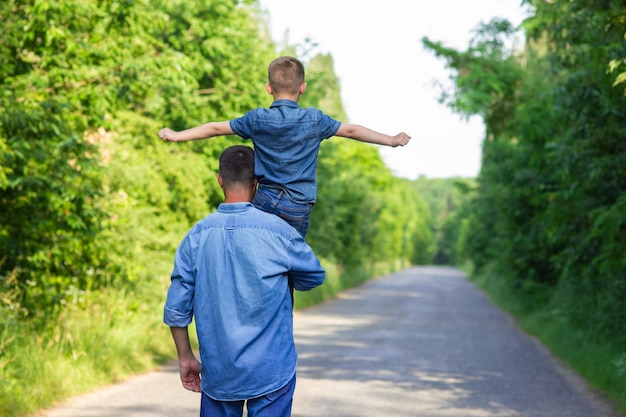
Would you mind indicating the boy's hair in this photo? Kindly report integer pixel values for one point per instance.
(236, 165)
(285, 74)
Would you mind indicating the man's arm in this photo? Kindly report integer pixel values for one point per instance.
(188, 364)
(306, 272)
(363, 134)
(205, 131)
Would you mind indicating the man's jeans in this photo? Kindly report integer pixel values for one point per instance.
(274, 404)
(276, 202)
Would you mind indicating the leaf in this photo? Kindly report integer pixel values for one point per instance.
(620, 79)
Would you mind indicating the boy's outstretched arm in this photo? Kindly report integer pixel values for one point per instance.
(364, 134)
(205, 131)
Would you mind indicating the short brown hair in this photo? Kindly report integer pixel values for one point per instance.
(286, 74)
(236, 165)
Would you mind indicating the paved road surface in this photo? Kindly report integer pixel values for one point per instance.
(421, 342)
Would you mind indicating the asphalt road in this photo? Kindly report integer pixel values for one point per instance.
(421, 342)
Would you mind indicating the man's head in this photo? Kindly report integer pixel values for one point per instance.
(236, 173)
(286, 76)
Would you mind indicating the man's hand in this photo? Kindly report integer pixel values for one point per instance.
(190, 374)
(187, 363)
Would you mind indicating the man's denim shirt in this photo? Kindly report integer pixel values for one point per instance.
(230, 275)
(286, 141)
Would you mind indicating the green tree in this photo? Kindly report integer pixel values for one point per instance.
(551, 187)
(448, 200)
(584, 39)
(68, 68)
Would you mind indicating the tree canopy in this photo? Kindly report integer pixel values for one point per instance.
(549, 208)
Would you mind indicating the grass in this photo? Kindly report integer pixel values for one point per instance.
(600, 362)
(101, 340)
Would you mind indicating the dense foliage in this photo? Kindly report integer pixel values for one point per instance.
(548, 214)
(72, 72)
(94, 204)
(448, 200)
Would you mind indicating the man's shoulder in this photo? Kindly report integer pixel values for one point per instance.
(203, 223)
(272, 223)
(269, 218)
(248, 216)
(251, 217)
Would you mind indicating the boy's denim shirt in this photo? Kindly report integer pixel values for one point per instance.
(286, 142)
(230, 276)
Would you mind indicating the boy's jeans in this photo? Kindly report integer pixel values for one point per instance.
(276, 202)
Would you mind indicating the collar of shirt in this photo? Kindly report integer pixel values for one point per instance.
(285, 102)
(234, 207)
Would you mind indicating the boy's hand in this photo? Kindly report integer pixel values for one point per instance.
(400, 139)
(167, 134)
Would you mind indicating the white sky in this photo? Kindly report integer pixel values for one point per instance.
(386, 76)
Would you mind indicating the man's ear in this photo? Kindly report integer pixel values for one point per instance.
(268, 88)
(302, 88)
(220, 180)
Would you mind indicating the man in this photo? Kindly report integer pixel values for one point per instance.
(230, 274)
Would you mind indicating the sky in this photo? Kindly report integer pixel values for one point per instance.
(387, 78)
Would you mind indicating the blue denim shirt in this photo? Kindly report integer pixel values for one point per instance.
(230, 275)
(286, 142)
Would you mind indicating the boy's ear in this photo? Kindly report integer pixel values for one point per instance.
(268, 88)
(220, 181)
(302, 88)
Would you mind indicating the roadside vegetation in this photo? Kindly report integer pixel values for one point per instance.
(545, 227)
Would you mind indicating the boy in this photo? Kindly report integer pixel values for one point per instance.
(286, 141)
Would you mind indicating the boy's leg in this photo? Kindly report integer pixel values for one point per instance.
(275, 404)
(213, 408)
(276, 202)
